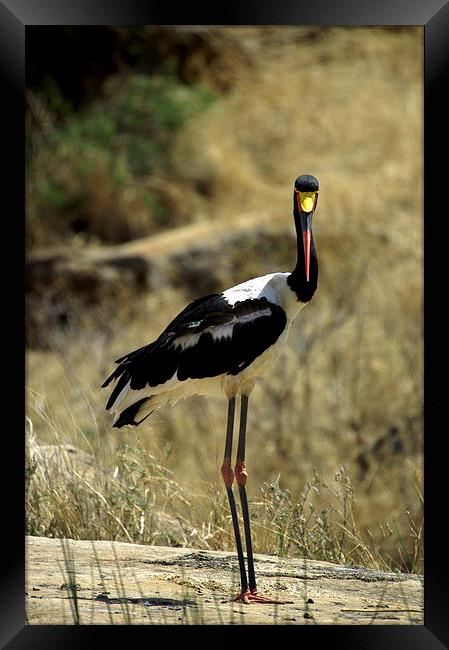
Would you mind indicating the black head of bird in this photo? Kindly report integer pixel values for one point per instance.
(305, 199)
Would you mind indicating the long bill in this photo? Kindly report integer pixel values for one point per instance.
(306, 227)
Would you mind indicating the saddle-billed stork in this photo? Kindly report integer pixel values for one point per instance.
(219, 343)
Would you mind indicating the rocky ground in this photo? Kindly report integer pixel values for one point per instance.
(103, 583)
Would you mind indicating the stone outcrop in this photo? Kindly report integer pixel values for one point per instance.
(102, 582)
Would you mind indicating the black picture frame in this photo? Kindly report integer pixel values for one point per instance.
(433, 15)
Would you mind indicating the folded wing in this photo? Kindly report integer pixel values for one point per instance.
(208, 338)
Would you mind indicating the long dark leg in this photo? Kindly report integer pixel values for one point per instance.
(228, 476)
(241, 478)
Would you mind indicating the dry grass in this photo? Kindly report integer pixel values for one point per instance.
(345, 106)
(119, 490)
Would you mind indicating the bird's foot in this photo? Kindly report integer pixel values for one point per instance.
(249, 597)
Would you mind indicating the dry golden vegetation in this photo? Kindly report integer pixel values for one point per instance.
(335, 430)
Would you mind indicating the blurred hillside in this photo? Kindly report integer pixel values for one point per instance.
(160, 166)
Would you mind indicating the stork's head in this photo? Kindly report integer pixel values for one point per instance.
(305, 199)
(306, 194)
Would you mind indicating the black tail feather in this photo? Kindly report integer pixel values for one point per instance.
(124, 364)
(117, 372)
(118, 388)
(127, 416)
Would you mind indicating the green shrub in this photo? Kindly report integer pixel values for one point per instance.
(92, 162)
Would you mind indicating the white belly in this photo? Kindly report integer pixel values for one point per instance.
(244, 382)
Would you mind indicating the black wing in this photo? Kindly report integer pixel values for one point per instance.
(194, 311)
(209, 337)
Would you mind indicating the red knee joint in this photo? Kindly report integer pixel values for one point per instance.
(241, 475)
(227, 473)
